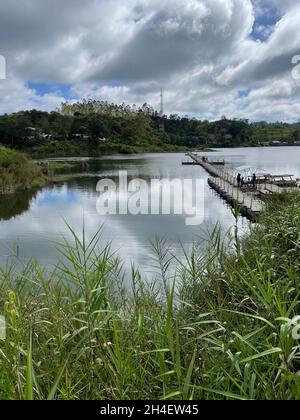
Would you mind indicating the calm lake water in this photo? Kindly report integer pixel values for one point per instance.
(30, 224)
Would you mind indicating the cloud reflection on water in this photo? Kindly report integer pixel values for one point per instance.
(39, 221)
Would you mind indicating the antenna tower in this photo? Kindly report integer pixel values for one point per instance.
(161, 114)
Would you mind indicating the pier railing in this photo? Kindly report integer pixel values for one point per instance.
(225, 183)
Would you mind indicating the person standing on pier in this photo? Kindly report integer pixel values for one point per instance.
(254, 179)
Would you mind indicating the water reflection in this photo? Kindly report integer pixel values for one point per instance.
(32, 223)
(13, 205)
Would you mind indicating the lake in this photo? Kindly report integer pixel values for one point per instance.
(30, 224)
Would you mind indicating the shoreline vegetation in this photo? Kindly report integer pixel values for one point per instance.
(18, 172)
(65, 149)
(220, 328)
(96, 128)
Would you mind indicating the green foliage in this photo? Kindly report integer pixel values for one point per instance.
(96, 127)
(220, 328)
(17, 172)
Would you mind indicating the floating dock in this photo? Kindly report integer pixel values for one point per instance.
(250, 202)
(196, 162)
(190, 163)
(209, 167)
(225, 184)
(247, 203)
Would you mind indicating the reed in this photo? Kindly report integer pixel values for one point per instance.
(218, 328)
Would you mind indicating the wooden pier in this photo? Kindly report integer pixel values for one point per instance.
(209, 167)
(247, 203)
(250, 201)
(225, 184)
(190, 163)
(196, 161)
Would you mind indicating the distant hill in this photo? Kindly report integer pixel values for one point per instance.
(97, 126)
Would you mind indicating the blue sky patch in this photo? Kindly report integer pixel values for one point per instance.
(48, 88)
(265, 22)
(244, 93)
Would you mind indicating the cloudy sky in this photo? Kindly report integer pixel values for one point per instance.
(212, 57)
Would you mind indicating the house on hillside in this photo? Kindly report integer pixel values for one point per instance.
(33, 133)
(81, 136)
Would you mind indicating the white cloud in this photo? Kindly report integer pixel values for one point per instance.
(200, 51)
(15, 96)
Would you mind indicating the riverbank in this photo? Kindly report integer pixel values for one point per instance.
(220, 329)
(66, 149)
(59, 149)
(18, 172)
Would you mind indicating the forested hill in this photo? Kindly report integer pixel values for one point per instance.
(121, 128)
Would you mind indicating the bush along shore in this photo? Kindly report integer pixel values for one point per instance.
(222, 327)
(17, 172)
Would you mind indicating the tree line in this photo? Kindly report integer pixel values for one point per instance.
(102, 122)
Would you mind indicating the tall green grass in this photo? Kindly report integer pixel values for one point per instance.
(219, 328)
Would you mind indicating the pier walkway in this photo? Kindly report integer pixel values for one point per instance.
(248, 203)
(225, 184)
(209, 167)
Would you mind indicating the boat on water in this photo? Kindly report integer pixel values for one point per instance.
(284, 180)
